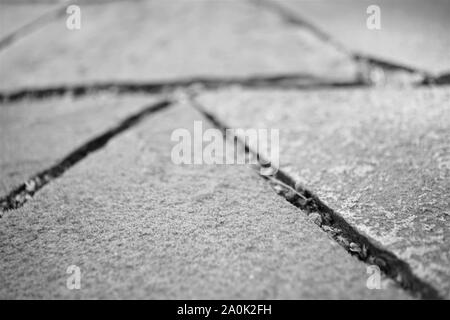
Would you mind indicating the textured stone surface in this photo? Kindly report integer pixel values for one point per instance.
(413, 32)
(154, 40)
(380, 157)
(35, 135)
(140, 226)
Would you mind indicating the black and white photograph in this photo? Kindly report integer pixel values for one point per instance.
(224, 156)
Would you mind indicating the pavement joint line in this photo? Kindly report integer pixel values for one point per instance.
(24, 192)
(34, 25)
(332, 222)
(277, 81)
(280, 81)
(358, 57)
(440, 79)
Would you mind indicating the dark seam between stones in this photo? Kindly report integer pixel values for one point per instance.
(280, 81)
(440, 79)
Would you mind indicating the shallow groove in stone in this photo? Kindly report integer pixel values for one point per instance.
(33, 26)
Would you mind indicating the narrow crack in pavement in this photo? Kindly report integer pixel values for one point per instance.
(332, 222)
(20, 195)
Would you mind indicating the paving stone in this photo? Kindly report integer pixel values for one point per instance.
(140, 226)
(380, 157)
(165, 40)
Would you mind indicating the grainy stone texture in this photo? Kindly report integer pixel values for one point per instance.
(380, 157)
(140, 226)
(35, 135)
(413, 32)
(164, 40)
